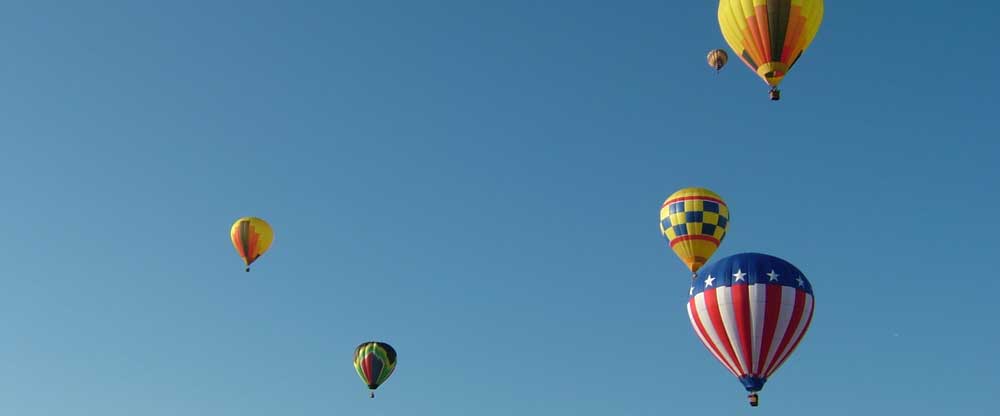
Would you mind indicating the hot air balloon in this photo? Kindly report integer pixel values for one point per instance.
(717, 59)
(251, 237)
(751, 311)
(374, 362)
(694, 221)
(770, 36)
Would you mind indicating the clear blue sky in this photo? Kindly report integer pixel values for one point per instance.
(479, 185)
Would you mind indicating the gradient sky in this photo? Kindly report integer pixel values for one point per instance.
(479, 185)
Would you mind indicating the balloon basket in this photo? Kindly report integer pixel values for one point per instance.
(753, 399)
(775, 94)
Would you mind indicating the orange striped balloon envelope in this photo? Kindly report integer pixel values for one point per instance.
(770, 36)
(694, 221)
(251, 237)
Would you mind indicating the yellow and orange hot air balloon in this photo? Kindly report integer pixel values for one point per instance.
(694, 221)
(251, 237)
(770, 35)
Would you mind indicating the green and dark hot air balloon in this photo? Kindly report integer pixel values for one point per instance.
(375, 362)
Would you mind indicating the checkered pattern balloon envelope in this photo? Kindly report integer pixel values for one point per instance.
(694, 222)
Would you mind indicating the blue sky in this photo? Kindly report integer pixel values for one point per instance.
(479, 185)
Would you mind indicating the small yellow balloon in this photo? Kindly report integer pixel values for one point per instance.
(251, 237)
(694, 221)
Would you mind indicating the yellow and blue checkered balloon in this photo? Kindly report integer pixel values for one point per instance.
(694, 221)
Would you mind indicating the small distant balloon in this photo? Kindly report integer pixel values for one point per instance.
(717, 59)
(251, 238)
(374, 362)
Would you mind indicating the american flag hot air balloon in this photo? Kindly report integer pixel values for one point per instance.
(751, 311)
